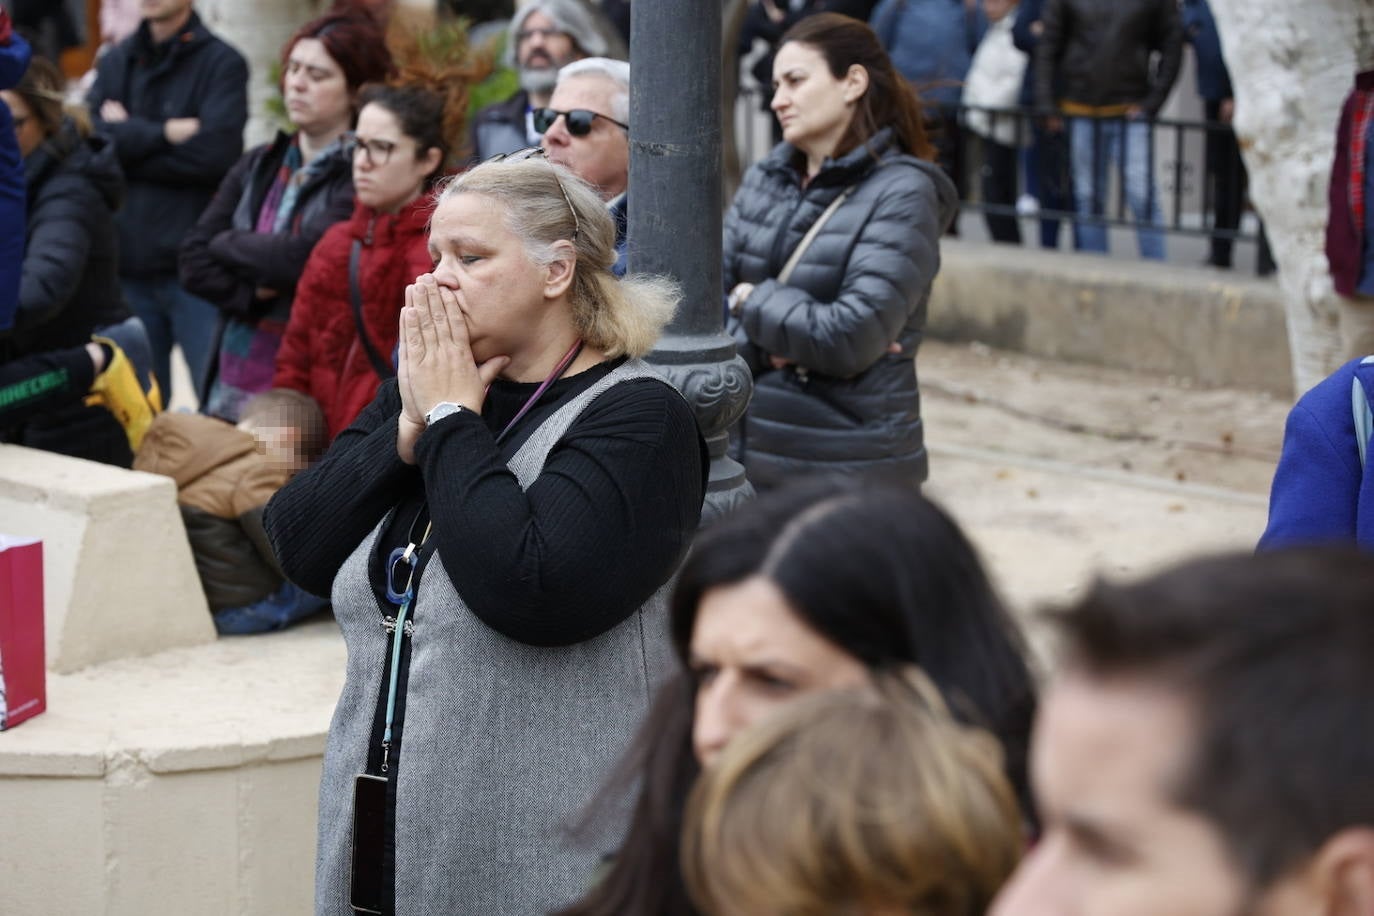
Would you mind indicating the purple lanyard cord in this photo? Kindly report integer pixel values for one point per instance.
(554, 376)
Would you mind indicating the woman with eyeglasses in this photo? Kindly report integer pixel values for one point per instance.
(247, 250)
(830, 249)
(496, 530)
(342, 332)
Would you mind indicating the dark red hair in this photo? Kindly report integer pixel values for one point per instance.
(353, 38)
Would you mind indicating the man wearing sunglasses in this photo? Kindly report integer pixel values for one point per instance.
(544, 36)
(586, 127)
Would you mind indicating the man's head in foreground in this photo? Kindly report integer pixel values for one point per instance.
(1208, 747)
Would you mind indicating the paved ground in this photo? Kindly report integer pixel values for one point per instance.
(1061, 472)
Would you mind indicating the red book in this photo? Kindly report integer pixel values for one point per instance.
(23, 688)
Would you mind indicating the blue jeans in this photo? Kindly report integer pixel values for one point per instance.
(1097, 143)
(277, 611)
(172, 315)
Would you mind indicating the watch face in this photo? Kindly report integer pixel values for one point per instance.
(441, 410)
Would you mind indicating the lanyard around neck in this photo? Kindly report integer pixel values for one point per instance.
(554, 376)
(410, 555)
(397, 627)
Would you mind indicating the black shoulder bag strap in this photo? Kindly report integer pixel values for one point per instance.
(355, 296)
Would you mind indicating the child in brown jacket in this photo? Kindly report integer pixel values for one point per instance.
(225, 475)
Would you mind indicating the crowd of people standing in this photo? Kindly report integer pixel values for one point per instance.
(425, 404)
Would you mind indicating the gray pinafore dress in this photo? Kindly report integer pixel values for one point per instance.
(504, 743)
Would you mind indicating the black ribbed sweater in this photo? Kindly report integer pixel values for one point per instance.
(606, 523)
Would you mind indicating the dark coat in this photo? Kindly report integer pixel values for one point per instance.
(500, 127)
(1100, 51)
(224, 259)
(192, 75)
(863, 284)
(1344, 233)
(1028, 13)
(1200, 28)
(14, 60)
(70, 282)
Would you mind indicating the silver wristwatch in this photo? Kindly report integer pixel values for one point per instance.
(441, 410)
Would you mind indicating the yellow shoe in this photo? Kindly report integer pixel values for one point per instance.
(118, 390)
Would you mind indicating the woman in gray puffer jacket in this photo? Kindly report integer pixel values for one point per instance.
(832, 342)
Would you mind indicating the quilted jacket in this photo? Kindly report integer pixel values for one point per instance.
(846, 403)
(321, 354)
(70, 280)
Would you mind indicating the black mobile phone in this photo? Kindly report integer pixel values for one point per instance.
(369, 844)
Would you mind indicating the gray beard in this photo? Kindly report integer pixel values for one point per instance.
(538, 80)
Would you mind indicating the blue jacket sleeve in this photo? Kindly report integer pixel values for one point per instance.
(14, 60)
(1315, 495)
(1027, 15)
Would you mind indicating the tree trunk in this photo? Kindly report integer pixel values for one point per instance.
(258, 29)
(1292, 62)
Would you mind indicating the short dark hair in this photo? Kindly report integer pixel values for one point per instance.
(889, 102)
(1276, 655)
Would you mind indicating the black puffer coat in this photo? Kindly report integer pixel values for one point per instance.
(70, 283)
(847, 403)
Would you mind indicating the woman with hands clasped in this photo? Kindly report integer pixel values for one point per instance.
(494, 531)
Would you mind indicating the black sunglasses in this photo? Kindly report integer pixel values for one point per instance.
(579, 120)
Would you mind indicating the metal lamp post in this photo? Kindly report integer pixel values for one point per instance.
(675, 216)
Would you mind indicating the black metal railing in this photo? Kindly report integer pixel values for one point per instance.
(1177, 151)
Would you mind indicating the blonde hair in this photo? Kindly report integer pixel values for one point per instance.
(854, 801)
(622, 317)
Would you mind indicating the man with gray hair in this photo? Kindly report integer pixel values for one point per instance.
(586, 127)
(544, 36)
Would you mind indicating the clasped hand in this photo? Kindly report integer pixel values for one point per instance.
(436, 362)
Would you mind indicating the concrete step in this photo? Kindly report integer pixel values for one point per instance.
(1219, 329)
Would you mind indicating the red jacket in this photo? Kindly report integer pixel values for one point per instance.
(1345, 219)
(321, 354)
